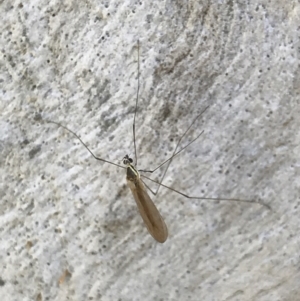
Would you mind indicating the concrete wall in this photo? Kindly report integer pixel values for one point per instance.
(69, 227)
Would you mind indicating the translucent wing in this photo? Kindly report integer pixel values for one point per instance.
(151, 216)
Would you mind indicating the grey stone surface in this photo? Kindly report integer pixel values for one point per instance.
(69, 227)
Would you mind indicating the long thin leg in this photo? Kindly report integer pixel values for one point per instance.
(136, 104)
(204, 198)
(97, 158)
(174, 153)
(172, 157)
(154, 193)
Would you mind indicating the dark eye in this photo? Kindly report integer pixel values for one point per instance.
(130, 160)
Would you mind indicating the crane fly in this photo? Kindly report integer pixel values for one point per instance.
(152, 218)
(149, 213)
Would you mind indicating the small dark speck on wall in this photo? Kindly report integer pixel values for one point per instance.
(34, 151)
(2, 282)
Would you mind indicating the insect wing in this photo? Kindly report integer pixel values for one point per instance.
(151, 216)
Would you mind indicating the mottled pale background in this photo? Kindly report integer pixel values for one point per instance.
(69, 227)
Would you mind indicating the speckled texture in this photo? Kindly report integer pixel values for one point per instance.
(69, 227)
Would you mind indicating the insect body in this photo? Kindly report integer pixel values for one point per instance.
(151, 216)
(148, 211)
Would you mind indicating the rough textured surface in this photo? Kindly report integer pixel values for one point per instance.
(69, 225)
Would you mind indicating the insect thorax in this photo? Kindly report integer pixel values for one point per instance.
(132, 174)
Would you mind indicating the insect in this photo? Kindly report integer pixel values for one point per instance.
(148, 211)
